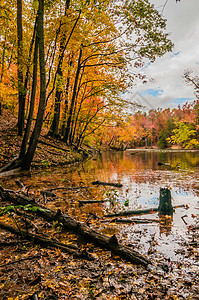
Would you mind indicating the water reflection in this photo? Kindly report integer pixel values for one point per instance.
(139, 160)
(166, 224)
(141, 177)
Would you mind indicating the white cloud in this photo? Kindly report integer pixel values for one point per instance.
(182, 23)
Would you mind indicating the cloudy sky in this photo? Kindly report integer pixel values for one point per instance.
(168, 88)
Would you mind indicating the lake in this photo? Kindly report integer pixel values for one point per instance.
(142, 176)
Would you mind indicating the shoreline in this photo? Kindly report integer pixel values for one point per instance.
(162, 150)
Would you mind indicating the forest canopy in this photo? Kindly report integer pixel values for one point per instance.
(68, 63)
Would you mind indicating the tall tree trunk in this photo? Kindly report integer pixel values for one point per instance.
(2, 71)
(27, 75)
(32, 102)
(54, 129)
(21, 111)
(65, 110)
(68, 126)
(27, 159)
(77, 115)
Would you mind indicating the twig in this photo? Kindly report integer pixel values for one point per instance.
(21, 259)
(6, 244)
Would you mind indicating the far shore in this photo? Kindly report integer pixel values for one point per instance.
(163, 150)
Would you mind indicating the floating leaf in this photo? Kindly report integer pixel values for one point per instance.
(126, 203)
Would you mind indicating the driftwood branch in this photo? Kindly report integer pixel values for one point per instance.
(106, 183)
(82, 202)
(80, 229)
(132, 212)
(134, 221)
(137, 212)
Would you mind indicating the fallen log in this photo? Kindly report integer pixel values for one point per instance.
(137, 212)
(134, 221)
(107, 183)
(80, 229)
(91, 201)
(132, 212)
(44, 241)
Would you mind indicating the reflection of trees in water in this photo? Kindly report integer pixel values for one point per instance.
(165, 224)
(131, 170)
(186, 160)
(121, 162)
(192, 159)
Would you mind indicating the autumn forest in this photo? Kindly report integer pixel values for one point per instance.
(77, 157)
(67, 65)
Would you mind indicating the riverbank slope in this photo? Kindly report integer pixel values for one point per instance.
(50, 152)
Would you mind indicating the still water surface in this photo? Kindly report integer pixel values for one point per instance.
(141, 177)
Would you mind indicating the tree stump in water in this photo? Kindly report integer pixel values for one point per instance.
(165, 206)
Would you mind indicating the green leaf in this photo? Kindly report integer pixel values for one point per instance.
(126, 203)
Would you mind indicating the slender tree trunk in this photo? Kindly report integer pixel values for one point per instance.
(77, 115)
(54, 129)
(27, 159)
(65, 110)
(32, 102)
(73, 119)
(2, 70)
(21, 111)
(68, 126)
(63, 130)
(25, 87)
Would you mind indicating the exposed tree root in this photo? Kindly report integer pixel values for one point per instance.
(13, 164)
(11, 172)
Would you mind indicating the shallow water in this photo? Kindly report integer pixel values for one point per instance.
(142, 178)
